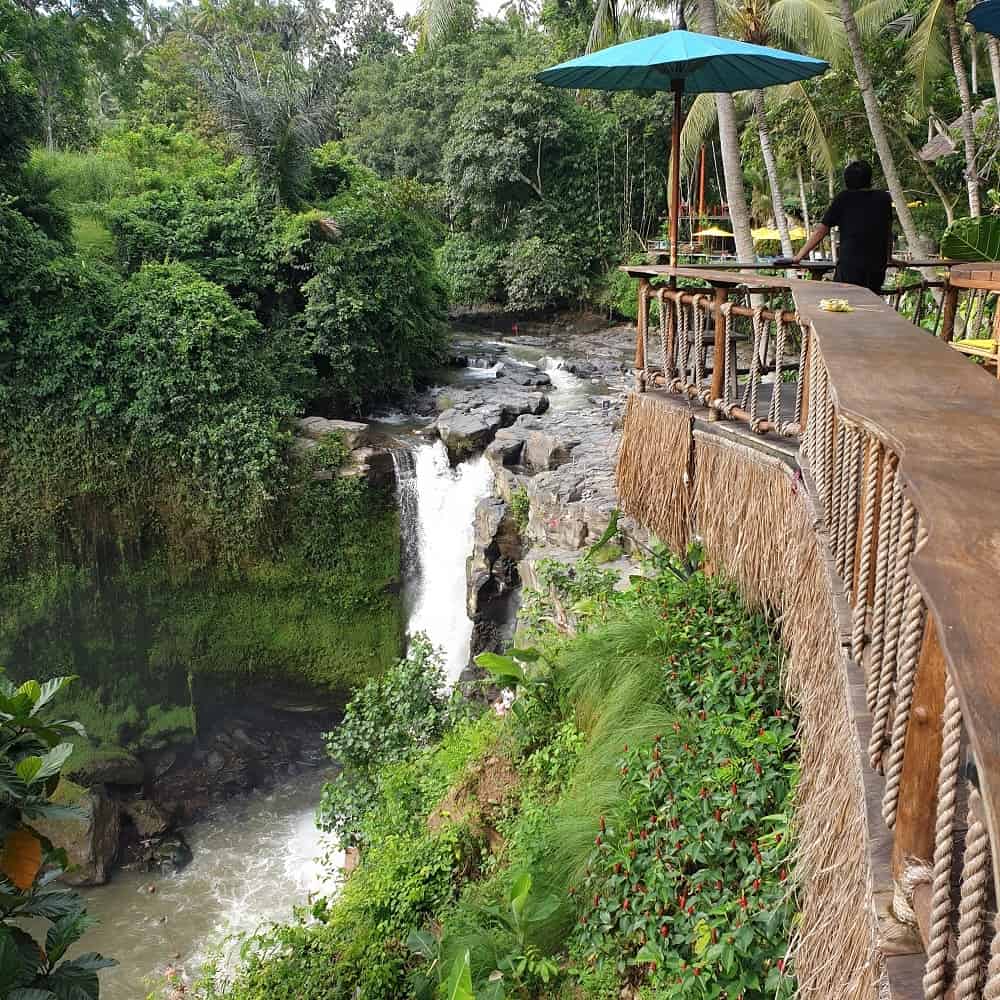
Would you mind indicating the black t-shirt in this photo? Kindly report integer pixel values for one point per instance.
(865, 221)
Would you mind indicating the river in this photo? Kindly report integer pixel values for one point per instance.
(257, 857)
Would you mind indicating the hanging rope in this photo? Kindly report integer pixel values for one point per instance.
(936, 972)
(725, 404)
(976, 871)
(774, 410)
(699, 346)
(644, 307)
(886, 664)
(992, 991)
(666, 337)
(837, 493)
(751, 391)
(852, 513)
(803, 362)
(906, 671)
(865, 567)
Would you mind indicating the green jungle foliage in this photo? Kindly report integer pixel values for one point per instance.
(35, 749)
(627, 822)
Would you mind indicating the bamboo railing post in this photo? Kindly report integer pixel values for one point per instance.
(642, 323)
(917, 805)
(719, 351)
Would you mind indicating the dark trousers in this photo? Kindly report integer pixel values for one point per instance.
(872, 278)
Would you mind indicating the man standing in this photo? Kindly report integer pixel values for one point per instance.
(864, 217)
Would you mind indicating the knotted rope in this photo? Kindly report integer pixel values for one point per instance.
(837, 493)
(976, 871)
(751, 393)
(699, 346)
(725, 404)
(803, 352)
(936, 972)
(774, 410)
(897, 599)
(666, 337)
(906, 671)
(882, 664)
(853, 507)
(865, 565)
(992, 990)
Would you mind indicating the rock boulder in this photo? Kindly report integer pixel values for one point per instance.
(89, 838)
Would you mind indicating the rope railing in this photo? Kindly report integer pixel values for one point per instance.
(897, 441)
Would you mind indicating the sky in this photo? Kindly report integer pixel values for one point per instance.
(486, 7)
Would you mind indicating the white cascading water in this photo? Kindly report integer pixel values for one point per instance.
(437, 511)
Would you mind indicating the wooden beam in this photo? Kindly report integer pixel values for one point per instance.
(642, 322)
(916, 812)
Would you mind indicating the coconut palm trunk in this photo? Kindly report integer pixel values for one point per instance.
(771, 167)
(965, 95)
(914, 240)
(993, 48)
(802, 197)
(729, 142)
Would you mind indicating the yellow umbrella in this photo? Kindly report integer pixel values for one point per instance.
(759, 235)
(713, 231)
(797, 233)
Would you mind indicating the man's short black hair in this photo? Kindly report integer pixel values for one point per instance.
(858, 175)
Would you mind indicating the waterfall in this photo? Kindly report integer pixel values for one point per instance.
(405, 469)
(437, 511)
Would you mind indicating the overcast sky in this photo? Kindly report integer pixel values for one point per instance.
(487, 7)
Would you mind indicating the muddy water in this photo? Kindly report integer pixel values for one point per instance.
(255, 858)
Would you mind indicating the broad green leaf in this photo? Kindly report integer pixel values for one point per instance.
(519, 891)
(65, 931)
(501, 667)
(459, 983)
(702, 937)
(32, 994)
(972, 239)
(49, 689)
(609, 532)
(526, 655)
(648, 953)
(31, 690)
(53, 761)
(28, 768)
(422, 943)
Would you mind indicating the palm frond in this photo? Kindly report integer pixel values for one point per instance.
(873, 15)
(698, 125)
(605, 27)
(812, 133)
(811, 26)
(927, 53)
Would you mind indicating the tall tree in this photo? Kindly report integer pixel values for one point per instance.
(876, 125)
(803, 25)
(729, 141)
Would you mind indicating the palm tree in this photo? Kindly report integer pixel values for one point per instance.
(275, 113)
(876, 126)
(729, 142)
(803, 25)
(937, 41)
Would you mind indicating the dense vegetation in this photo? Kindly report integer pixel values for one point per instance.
(33, 749)
(626, 822)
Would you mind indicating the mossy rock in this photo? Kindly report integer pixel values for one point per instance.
(105, 766)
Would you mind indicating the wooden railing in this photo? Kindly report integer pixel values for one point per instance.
(739, 347)
(900, 449)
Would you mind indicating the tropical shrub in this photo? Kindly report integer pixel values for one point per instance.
(392, 718)
(34, 750)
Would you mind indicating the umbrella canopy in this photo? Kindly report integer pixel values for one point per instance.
(682, 62)
(985, 16)
(797, 233)
(701, 63)
(713, 231)
(762, 235)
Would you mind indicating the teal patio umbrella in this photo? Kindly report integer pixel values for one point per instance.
(683, 62)
(985, 17)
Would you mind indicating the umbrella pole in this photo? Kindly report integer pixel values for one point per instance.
(677, 86)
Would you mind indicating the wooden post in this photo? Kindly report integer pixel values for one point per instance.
(719, 352)
(701, 185)
(916, 811)
(642, 322)
(950, 309)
